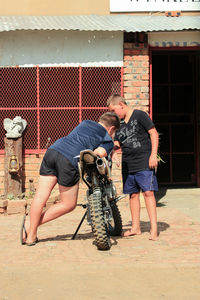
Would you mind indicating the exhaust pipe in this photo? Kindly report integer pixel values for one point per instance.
(101, 166)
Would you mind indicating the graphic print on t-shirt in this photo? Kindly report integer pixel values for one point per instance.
(127, 135)
(135, 142)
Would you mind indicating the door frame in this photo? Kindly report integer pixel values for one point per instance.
(197, 102)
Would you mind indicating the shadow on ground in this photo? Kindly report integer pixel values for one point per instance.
(65, 237)
(145, 226)
(159, 195)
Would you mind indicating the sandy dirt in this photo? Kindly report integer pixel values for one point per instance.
(59, 268)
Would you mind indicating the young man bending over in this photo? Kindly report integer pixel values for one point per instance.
(60, 165)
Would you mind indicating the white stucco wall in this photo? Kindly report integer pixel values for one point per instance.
(66, 48)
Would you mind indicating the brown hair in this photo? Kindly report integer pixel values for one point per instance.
(110, 119)
(115, 99)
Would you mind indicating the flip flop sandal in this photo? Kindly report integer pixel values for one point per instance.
(23, 231)
(32, 243)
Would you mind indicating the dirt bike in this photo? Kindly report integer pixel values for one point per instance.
(102, 213)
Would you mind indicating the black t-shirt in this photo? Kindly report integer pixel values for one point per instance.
(135, 142)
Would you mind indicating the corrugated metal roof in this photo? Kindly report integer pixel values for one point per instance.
(98, 22)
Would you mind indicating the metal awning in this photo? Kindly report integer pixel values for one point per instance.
(127, 23)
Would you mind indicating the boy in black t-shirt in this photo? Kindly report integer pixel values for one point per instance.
(138, 139)
(60, 165)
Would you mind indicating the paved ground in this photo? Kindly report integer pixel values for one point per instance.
(58, 268)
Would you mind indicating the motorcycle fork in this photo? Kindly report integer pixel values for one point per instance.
(95, 183)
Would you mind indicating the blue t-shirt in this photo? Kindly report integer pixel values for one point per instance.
(87, 135)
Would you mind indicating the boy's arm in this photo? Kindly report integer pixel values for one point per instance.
(114, 155)
(153, 161)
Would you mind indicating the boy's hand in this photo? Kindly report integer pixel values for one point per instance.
(115, 158)
(153, 162)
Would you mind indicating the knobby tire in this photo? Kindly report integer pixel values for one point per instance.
(116, 230)
(102, 239)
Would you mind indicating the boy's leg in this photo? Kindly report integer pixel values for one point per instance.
(150, 202)
(135, 215)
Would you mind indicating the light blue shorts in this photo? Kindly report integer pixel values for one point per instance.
(140, 181)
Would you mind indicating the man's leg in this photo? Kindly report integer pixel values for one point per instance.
(44, 188)
(68, 200)
(67, 203)
(150, 202)
(135, 215)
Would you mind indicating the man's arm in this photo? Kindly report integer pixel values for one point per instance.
(100, 151)
(153, 161)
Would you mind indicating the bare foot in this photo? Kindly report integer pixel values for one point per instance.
(153, 237)
(131, 232)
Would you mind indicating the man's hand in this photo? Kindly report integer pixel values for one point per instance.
(100, 151)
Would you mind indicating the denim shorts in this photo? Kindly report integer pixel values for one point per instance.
(140, 181)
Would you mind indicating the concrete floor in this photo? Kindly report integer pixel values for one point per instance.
(185, 200)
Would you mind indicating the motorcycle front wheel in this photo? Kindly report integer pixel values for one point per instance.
(114, 226)
(102, 239)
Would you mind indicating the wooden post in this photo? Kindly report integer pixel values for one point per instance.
(13, 182)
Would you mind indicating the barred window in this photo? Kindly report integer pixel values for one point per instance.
(54, 100)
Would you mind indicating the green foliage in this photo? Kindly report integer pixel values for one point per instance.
(159, 158)
(29, 195)
(10, 197)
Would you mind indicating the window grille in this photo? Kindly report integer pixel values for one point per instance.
(54, 100)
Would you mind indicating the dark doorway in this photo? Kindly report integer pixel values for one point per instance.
(175, 103)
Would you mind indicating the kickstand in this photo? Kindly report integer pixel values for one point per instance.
(85, 214)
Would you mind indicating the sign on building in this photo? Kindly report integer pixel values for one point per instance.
(154, 5)
(174, 39)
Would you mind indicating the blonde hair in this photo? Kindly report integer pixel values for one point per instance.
(115, 99)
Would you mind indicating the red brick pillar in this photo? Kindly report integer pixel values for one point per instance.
(136, 75)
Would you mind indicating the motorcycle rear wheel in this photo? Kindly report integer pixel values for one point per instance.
(102, 239)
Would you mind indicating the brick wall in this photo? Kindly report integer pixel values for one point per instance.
(136, 75)
(31, 166)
